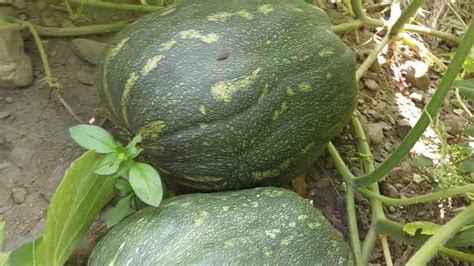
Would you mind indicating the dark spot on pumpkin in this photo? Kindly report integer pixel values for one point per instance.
(223, 56)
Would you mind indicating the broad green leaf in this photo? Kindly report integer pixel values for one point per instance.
(146, 183)
(4, 259)
(466, 87)
(93, 138)
(119, 211)
(79, 198)
(467, 166)
(2, 233)
(421, 227)
(132, 149)
(25, 255)
(422, 161)
(469, 131)
(108, 165)
(123, 186)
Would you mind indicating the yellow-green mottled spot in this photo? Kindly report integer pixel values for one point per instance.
(225, 208)
(290, 91)
(326, 52)
(273, 194)
(312, 224)
(168, 45)
(151, 64)
(262, 175)
(334, 243)
(292, 224)
(285, 164)
(203, 125)
(225, 90)
(328, 75)
(267, 252)
(200, 217)
(302, 217)
(164, 13)
(254, 204)
(153, 130)
(307, 147)
(245, 204)
(126, 92)
(264, 92)
(297, 9)
(245, 14)
(114, 51)
(304, 87)
(286, 240)
(269, 42)
(265, 9)
(205, 143)
(194, 34)
(277, 113)
(272, 233)
(202, 109)
(185, 204)
(219, 17)
(205, 179)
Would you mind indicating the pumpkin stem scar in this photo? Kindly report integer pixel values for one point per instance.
(225, 90)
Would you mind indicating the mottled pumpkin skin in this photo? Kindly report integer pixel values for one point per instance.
(230, 94)
(262, 226)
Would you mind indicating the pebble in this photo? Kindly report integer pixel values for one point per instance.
(396, 174)
(85, 77)
(15, 66)
(19, 4)
(19, 195)
(88, 50)
(416, 97)
(381, 107)
(403, 127)
(390, 191)
(454, 124)
(323, 183)
(375, 133)
(9, 100)
(371, 85)
(4, 114)
(4, 193)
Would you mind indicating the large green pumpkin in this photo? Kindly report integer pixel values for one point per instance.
(230, 94)
(262, 226)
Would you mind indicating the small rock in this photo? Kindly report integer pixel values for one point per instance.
(88, 50)
(416, 97)
(86, 77)
(23, 157)
(19, 195)
(9, 100)
(390, 191)
(454, 124)
(403, 127)
(4, 193)
(50, 22)
(381, 107)
(396, 174)
(371, 85)
(19, 4)
(375, 133)
(4, 114)
(392, 209)
(323, 183)
(15, 66)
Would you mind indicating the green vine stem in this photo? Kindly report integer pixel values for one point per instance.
(466, 257)
(372, 57)
(419, 199)
(430, 111)
(395, 231)
(405, 17)
(353, 230)
(437, 241)
(122, 6)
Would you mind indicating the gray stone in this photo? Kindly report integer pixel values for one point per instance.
(416, 97)
(15, 65)
(86, 76)
(21, 156)
(4, 114)
(4, 192)
(9, 100)
(323, 183)
(375, 133)
(19, 4)
(19, 194)
(88, 50)
(381, 107)
(390, 191)
(371, 85)
(403, 127)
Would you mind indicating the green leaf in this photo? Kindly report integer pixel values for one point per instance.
(4, 259)
(123, 186)
(466, 87)
(108, 165)
(466, 166)
(421, 227)
(78, 200)
(469, 131)
(2, 233)
(118, 212)
(93, 138)
(422, 161)
(132, 149)
(25, 254)
(146, 183)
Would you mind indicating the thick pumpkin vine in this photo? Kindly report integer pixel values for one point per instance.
(139, 177)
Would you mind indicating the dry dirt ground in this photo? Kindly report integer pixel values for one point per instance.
(35, 148)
